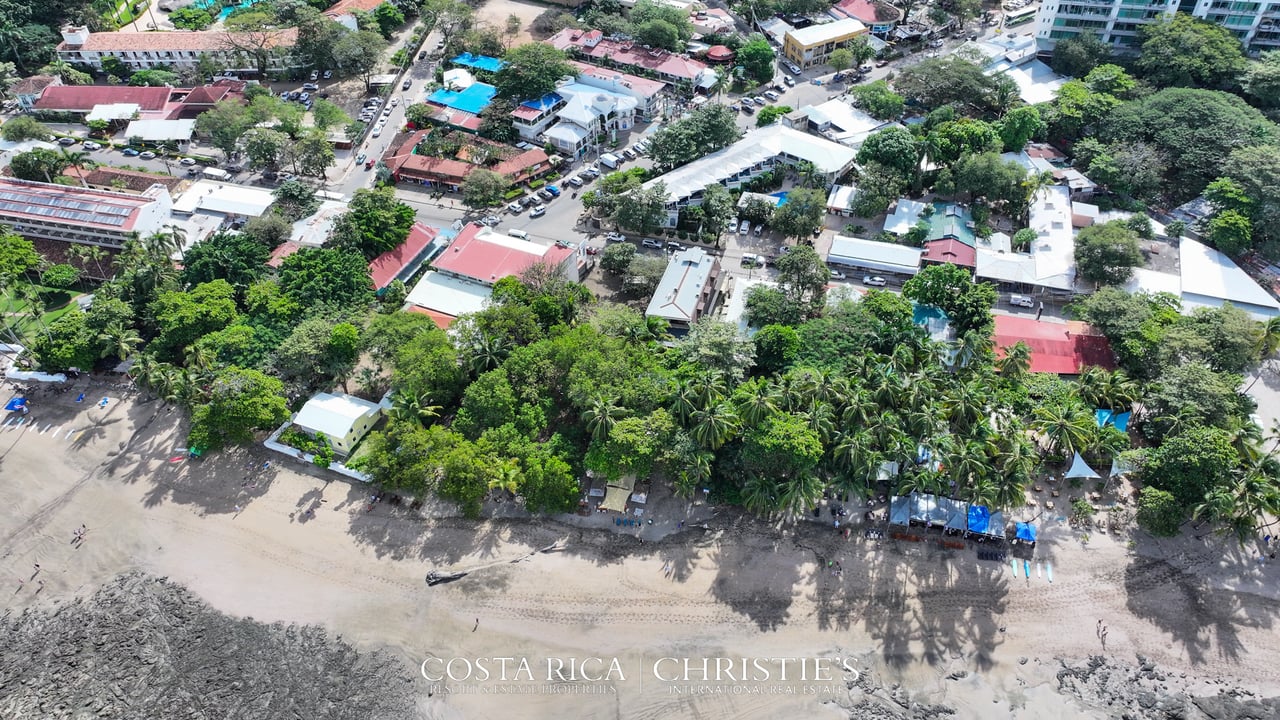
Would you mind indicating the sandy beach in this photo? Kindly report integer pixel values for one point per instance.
(938, 625)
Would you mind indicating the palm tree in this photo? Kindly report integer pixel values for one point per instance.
(1266, 343)
(714, 426)
(709, 389)
(601, 415)
(75, 159)
(405, 406)
(757, 401)
(145, 371)
(118, 341)
(166, 242)
(972, 350)
(1067, 426)
(759, 494)
(821, 420)
(89, 253)
(696, 471)
(506, 476)
(200, 357)
(799, 493)
(1015, 363)
(684, 402)
(488, 352)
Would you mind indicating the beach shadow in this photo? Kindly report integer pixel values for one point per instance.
(752, 577)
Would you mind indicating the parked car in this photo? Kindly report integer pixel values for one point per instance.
(745, 227)
(837, 275)
(760, 229)
(310, 87)
(773, 96)
(422, 55)
(387, 111)
(936, 43)
(148, 155)
(789, 81)
(555, 191)
(651, 243)
(673, 246)
(1025, 301)
(287, 177)
(516, 208)
(194, 171)
(792, 67)
(752, 260)
(377, 131)
(395, 102)
(592, 250)
(406, 84)
(874, 281)
(748, 109)
(368, 164)
(490, 220)
(327, 74)
(284, 94)
(187, 161)
(360, 158)
(629, 154)
(575, 181)
(759, 101)
(67, 141)
(294, 95)
(303, 97)
(314, 75)
(130, 152)
(545, 194)
(538, 211)
(882, 63)
(614, 237)
(91, 145)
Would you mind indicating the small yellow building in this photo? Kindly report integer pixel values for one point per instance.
(813, 45)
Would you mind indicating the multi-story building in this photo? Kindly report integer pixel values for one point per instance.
(592, 46)
(234, 52)
(813, 45)
(70, 214)
(1118, 22)
(688, 289)
(881, 17)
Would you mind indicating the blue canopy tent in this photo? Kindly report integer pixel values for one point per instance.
(958, 516)
(922, 506)
(1121, 421)
(979, 519)
(16, 404)
(1103, 417)
(899, 510)
(1026, 531)
(941, 512)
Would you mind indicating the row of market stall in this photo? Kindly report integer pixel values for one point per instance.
(954, 517)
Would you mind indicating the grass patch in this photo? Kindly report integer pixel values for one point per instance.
(16, 313)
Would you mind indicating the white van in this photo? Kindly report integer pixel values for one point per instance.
(610, 161)
(1025, 301)
(513, 232)
(216, 174)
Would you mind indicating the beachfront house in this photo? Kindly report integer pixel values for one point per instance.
(342, 419)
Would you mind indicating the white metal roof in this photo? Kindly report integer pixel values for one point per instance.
(841, 196)
(875, 255)
(160, 130)
(333, 414)
(314, 229)
(449, 295)
(676, 297)
(113, 111)
(1209, 277)
(905, 215)
(825, 32)
(569, 133)
(754, 148)
(1055, 244)
(223, 197)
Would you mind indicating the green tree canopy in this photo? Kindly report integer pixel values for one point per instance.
(803, 214)
(234, 257)
(878, 101)
(375, 222)
(950, 288)
(1106, 254)
(319, 276)
(757, 58)
(239, 402)
(1184, 51)
(705, 130)
(24, 127)
(531, 71)
(1077, 55)
(484, 188)
(1190, 464)
(40, 165)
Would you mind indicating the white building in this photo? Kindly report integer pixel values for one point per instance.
(874, 255)
(588, 112)
(342, 419)
(836, 120)
(80, 215)
(688, 289)
(1050, 265)
(759, 151)
(178, 50)
(1015, 57)
(1118, 22)
(224, 199)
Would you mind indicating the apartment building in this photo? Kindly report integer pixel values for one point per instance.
(70, 214)
(592, 46)
(813, 45)
(235, 52)
(1119, 22)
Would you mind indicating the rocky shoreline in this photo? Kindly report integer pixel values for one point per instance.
(145, 647)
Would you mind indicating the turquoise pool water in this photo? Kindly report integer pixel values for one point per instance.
(227, 10)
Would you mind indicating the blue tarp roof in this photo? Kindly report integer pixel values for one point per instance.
(1026, 531)
(979, 518)
(479, 62)
(474, 99)
(900, 510)
(546, 101)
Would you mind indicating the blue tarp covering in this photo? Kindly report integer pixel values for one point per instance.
(1026, 531)
(474, 99)
(1103, 416)
(1121, 421)
(16, 404)
(546, 102)
(979, 518)
(479, 62)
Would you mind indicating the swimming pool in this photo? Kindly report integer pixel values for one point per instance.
(227, 9)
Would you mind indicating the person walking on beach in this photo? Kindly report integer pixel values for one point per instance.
(477, 627)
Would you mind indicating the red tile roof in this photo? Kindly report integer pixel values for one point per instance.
(868, 12)
(592, 44)
(524, 112)
(82, 98)
(441, 320)
(402, 162)
(205, 95)
(282, 251)
(344, 7)
(482, 254)
(206, 41)
(387, 266)
(33, 84)
(950, 251)
(1062, 348)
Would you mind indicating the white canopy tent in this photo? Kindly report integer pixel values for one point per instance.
(1080, 469)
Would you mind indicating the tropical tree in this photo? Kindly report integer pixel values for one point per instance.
(601, 415)
(119, 341)
(714, 425)
(1068, 426)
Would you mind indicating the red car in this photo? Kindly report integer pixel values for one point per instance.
(368, 165)
(593, 251)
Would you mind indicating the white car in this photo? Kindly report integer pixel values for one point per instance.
(538, 211)
(148, 155)
(377, 131)
(745, 228)
(516, 208)
(837, 275)
(575, 181)
(187, 161)
(91, 145)
(651, 243)
(773, 96)
(752, 260)
(874, 281)
(395, 101)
